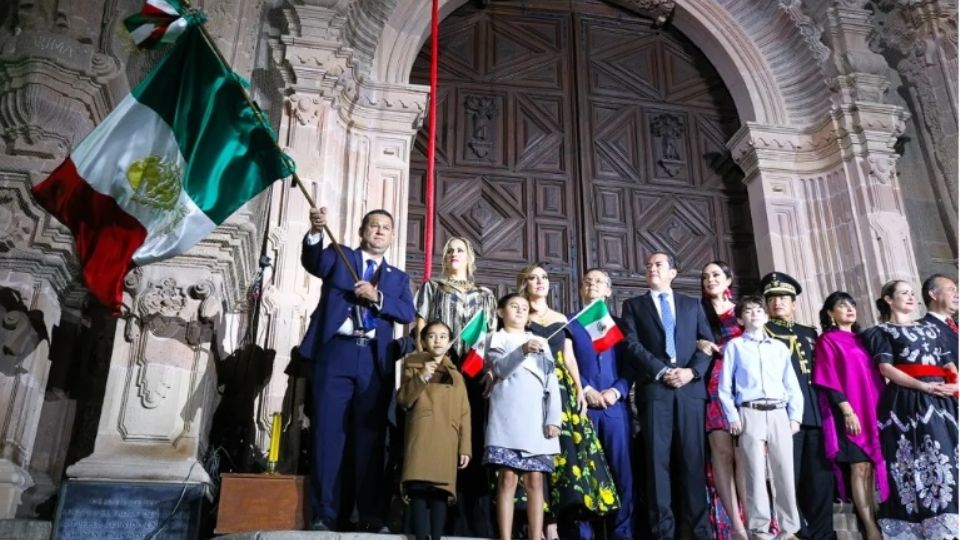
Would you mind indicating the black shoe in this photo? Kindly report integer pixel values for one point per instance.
(321, 525)
(375, 527)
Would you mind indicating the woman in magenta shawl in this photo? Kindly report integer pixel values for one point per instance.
(851, 389)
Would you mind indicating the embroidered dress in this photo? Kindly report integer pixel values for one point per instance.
(918, 437)
(729, 329)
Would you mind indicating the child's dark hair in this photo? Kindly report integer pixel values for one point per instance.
(431, 324)
(749, 300)
(505, 299)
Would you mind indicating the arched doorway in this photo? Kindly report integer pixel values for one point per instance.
(581, 136)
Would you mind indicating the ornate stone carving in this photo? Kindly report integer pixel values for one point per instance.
(807, 27)
(54, 84)
(658, 10)
(881, 168)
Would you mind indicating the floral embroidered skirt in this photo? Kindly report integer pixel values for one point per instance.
(513, 459)
(918, 435)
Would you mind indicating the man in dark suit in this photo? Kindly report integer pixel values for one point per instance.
(605, 378)
(812, 471)
(662, 332)
(347, 341)
(940, 297)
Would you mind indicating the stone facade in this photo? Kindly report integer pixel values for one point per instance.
(837, 99)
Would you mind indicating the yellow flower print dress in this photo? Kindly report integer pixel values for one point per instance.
(581, 482)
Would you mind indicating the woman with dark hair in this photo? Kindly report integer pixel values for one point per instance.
(917, 420)
(851, 389)
(716, 279)
(581, 486)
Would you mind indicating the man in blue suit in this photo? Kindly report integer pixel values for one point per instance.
(606, 387)
(347, 342)
(662, 329)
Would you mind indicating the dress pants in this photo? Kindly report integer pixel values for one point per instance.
(350, 397)
(665, 423)
(814, 485)
(616, 439)
(766, 438)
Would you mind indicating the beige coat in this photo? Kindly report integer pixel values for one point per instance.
(438, 423)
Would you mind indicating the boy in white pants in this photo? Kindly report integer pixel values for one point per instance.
(761, 399)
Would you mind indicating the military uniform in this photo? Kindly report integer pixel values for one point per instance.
(812, 470)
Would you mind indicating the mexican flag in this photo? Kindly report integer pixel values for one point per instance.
(474, 334)
(160, 21)
(598, 322)
(175, 158)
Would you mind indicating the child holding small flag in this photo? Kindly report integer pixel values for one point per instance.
(524, 419)
(437, 438)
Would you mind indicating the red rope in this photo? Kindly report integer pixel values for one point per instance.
(431, 143)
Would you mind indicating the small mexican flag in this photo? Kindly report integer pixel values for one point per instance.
(599, 324)
(175, 158)
(474, 334)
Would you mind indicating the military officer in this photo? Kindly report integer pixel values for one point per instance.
(813, 473)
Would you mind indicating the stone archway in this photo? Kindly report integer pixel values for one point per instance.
(817, 144)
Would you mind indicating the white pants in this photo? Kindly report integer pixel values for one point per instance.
(766, 439)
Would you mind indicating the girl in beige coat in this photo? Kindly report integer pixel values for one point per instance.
(437, 438)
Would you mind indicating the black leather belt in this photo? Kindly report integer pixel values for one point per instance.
(764, 405)
(360, 341)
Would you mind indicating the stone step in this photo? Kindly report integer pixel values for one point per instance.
(844, 523)
(310, 535)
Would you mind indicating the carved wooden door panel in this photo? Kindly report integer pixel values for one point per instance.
(654, 117)
(578, 135)
(506, 154)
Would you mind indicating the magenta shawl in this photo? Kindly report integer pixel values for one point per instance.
(843, 364)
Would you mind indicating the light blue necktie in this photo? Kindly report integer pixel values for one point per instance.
(669, 326)
(369, 321)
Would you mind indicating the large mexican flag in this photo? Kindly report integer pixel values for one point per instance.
(176, 157)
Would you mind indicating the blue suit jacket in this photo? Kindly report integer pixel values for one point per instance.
(337, 300)
(609, 369)
(646, 341)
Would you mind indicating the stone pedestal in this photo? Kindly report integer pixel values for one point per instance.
(161, 390)
(49, 451)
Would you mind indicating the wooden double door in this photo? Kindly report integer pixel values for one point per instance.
(578, 135)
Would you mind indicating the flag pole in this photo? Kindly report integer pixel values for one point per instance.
(263, 121)
(577, 314)
(429, 188)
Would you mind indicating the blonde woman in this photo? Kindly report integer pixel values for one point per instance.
(453, 298)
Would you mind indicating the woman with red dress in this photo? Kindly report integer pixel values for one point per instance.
(716, 280)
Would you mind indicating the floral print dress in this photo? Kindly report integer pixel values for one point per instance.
(581, 483)
(918, 437)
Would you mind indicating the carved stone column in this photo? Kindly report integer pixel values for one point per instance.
(919, 38)
(55, 84)
(161, 389)
(826, 201)
(351, 139)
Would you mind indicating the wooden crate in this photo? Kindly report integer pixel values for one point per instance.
(258, 502)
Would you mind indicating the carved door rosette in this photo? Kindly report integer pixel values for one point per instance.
(169, 335)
